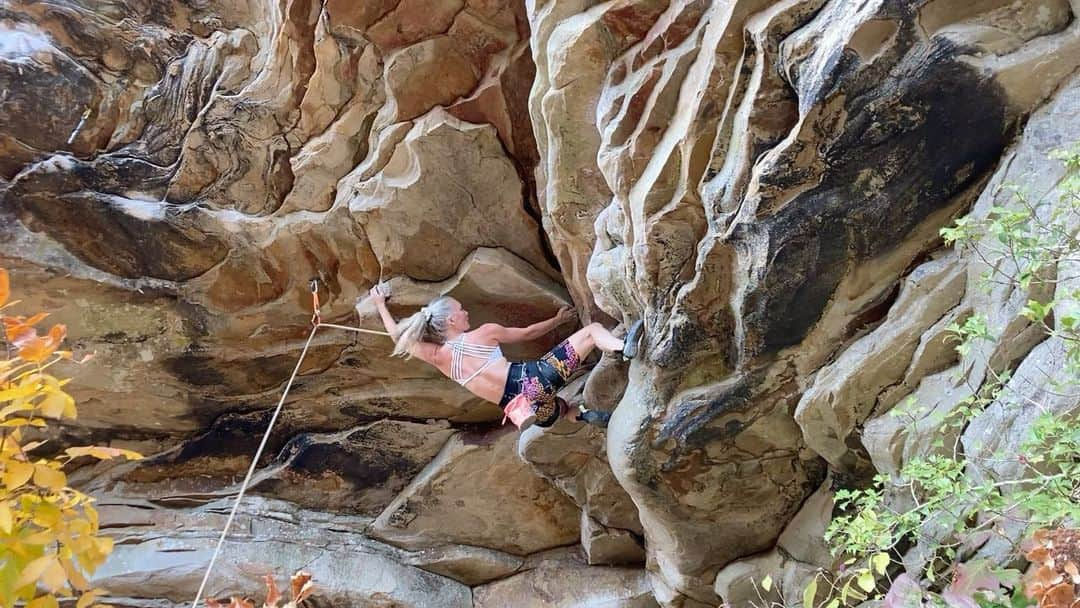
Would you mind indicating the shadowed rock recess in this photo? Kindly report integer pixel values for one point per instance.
(761, 181)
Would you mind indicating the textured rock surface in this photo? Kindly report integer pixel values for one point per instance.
(161, 555)
(800, 552)
(228, 153)
(775, 168)
(477, 492)
(882, 366)
(562, 581)
(762, 181)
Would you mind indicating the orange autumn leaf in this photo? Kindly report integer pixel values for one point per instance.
(5, 287)
(273, 595)
(234, 602)
(39, 349)
(1058, 596)
(20, 329)
(1038, 554)
(302, 586)
(1041, 579)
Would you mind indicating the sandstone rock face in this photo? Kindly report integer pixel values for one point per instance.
(565, 582)
(155, 562)
(886, 364)
(572, 457)
(194, 166)
(761, 181)
(477, 492)
(775, 168)
(800, 553)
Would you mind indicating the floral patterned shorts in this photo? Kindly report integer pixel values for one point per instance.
(541, 379)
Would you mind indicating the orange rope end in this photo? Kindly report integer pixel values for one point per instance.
(315, 318)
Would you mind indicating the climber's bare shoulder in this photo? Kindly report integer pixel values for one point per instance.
(428, 352)
(489, 334)
(492, 334)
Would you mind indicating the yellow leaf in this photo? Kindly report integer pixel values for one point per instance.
(25, 388)
(47, 516)
(46, 477)
(7, 520)
(58, 404)
(75, 575)
(130, 454)
(54, 578)
(69, 408)
(89, 597)
(40, 538)
(33, 571)
(879, 562)
(810, 593)
(16, 474)
(22, 422)
(91, 517)
(20, 405)
(33, 445)
(866, 581)
(102, 453)
(45, 601)
(55, 404)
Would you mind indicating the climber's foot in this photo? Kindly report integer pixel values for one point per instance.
(632, 339)
(595, 418)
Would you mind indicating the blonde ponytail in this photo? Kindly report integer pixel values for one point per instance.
(427, 325)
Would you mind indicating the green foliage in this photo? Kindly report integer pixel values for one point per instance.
(935, 499)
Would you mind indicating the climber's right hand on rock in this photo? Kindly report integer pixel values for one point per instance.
(375, 296)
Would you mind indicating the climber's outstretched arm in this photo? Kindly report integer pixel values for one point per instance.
(509, 335)
(380, 304)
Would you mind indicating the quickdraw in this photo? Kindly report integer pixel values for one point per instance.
(315, 317)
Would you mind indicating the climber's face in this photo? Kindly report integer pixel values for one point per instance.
(459, 318)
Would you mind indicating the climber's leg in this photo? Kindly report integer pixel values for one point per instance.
(595, 335)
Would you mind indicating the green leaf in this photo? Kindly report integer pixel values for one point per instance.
(866, 581)
(879, 562)
(809, 593)
(766, 583)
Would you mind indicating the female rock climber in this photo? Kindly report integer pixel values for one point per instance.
(440, 335)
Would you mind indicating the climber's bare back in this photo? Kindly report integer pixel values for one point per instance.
(488, 384)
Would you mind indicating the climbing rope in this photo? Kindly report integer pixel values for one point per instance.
(316, 323)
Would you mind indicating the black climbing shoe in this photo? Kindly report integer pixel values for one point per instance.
(595, 418)
(631, 339)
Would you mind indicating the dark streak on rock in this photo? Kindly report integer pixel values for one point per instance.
(927, 131)
(690, 424)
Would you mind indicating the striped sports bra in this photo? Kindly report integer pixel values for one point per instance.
(460, 348)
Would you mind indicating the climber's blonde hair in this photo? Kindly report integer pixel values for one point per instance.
(429, 324)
